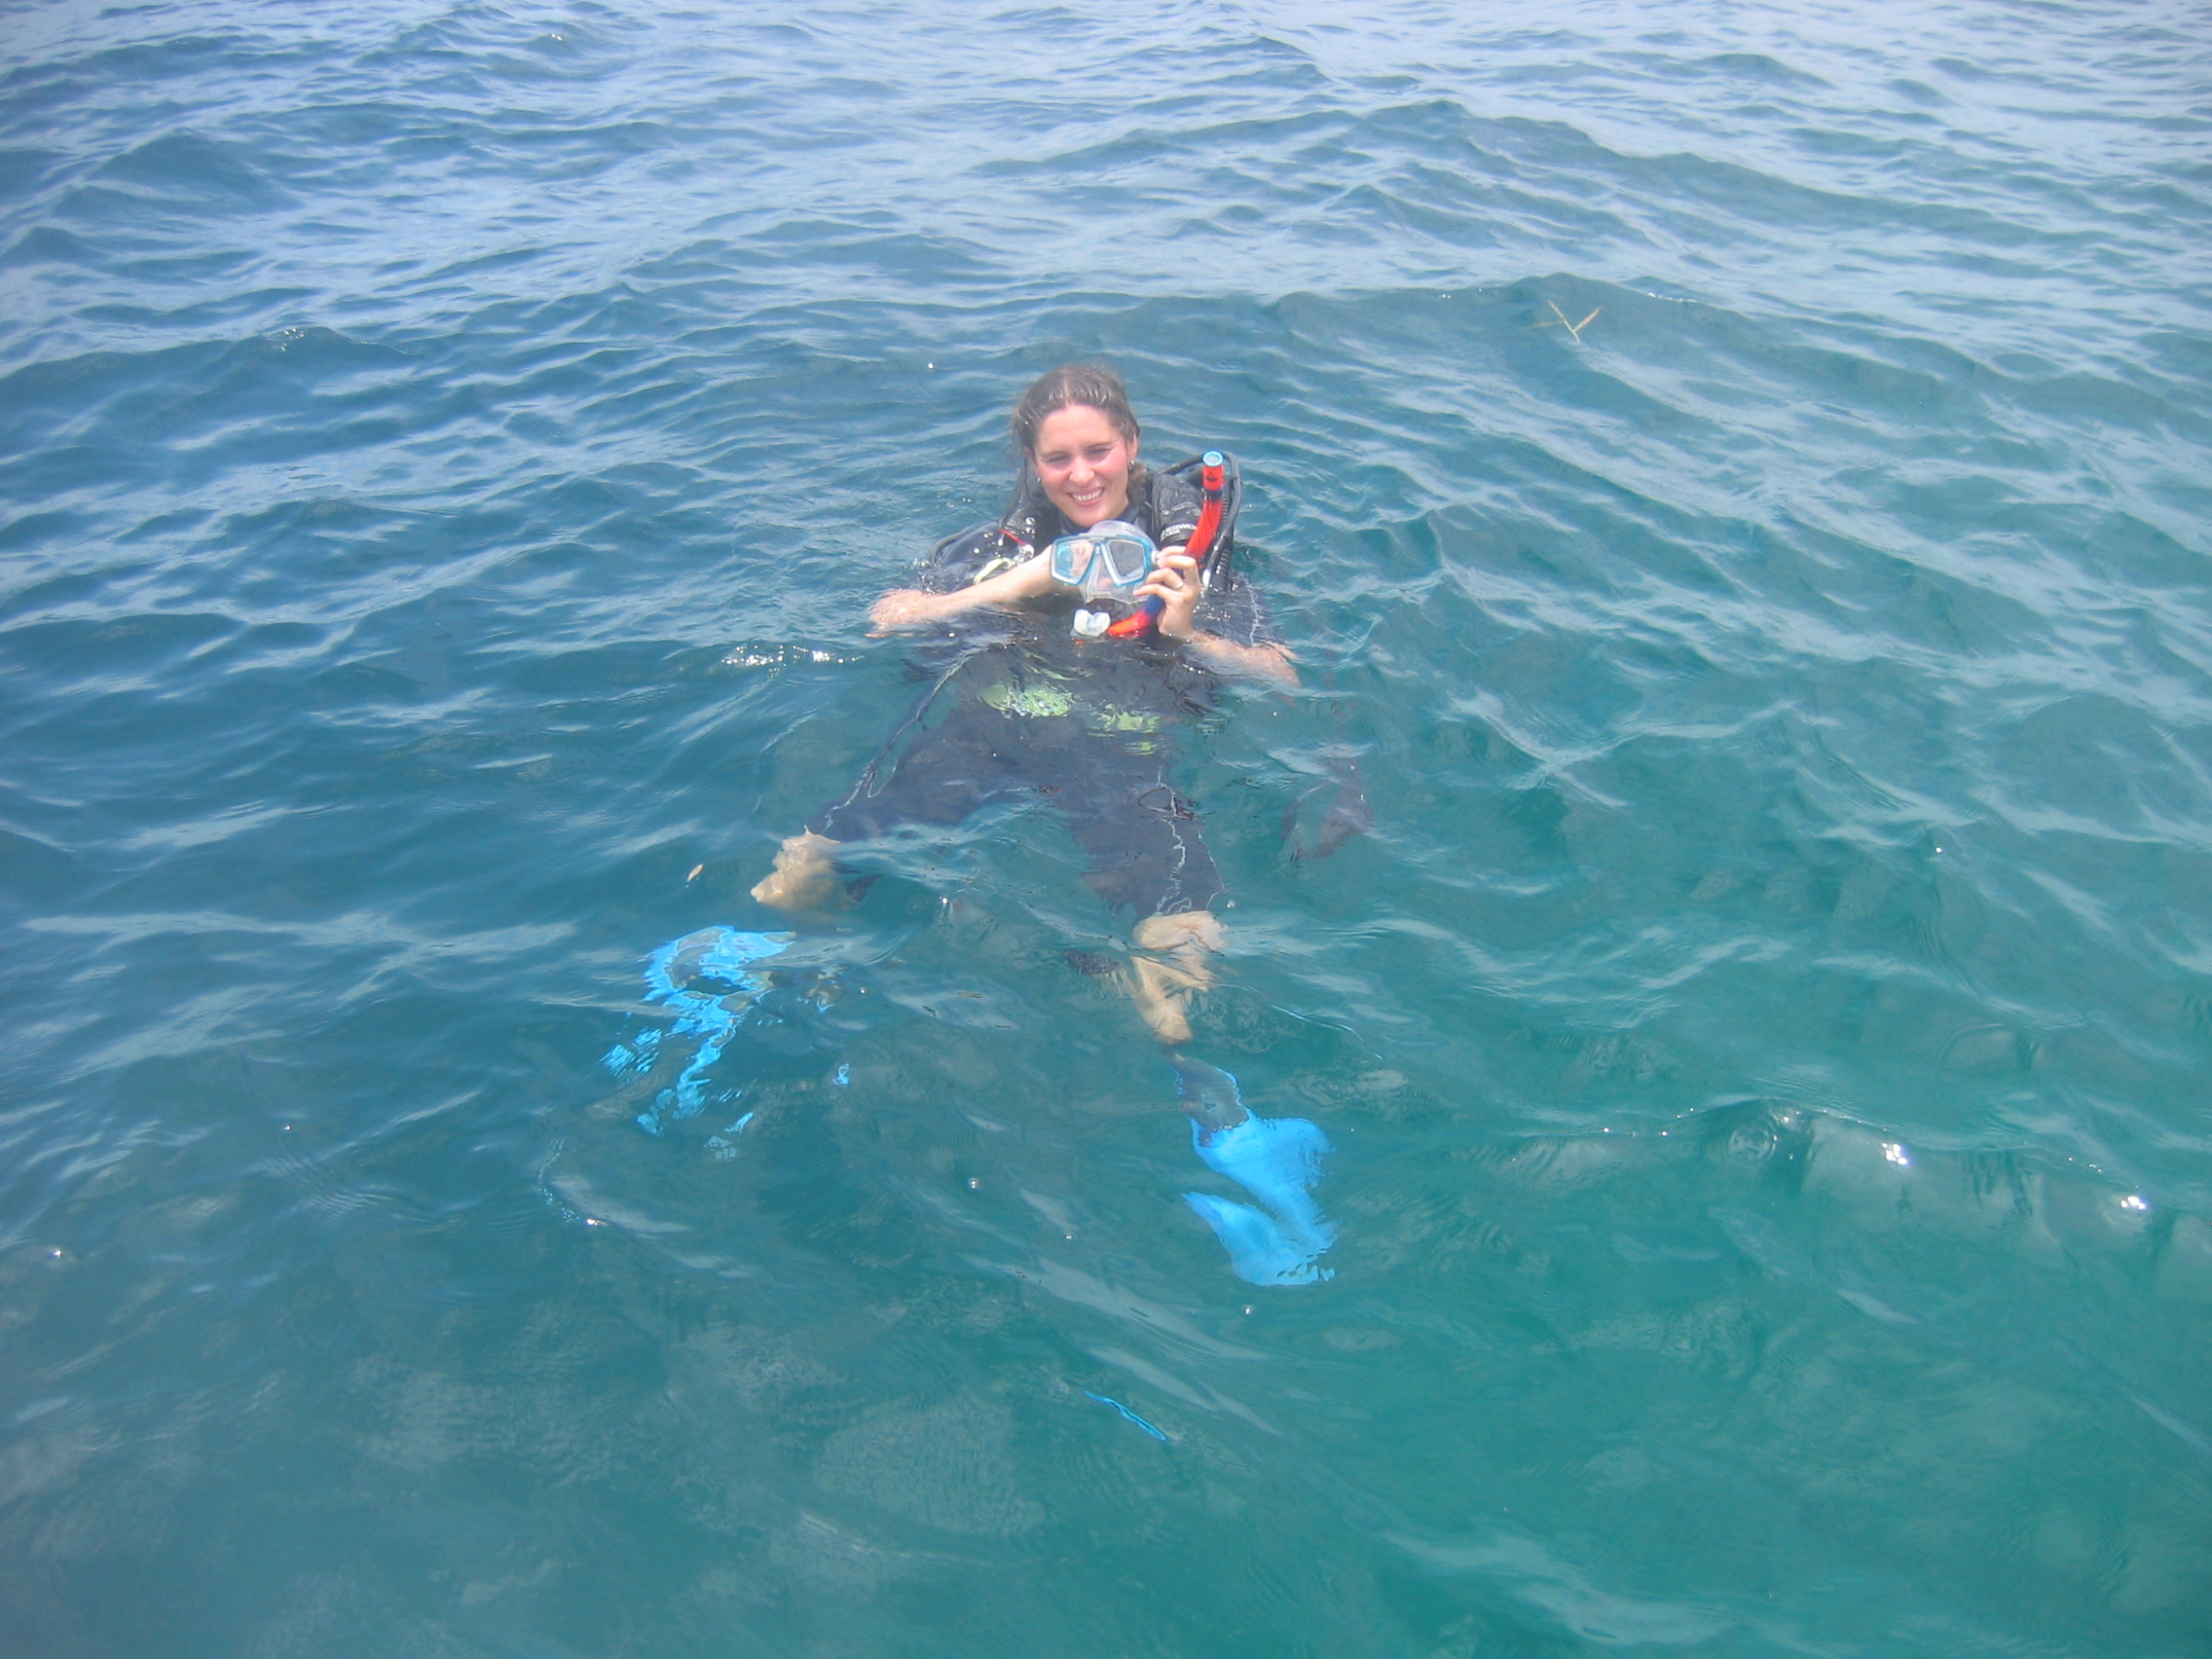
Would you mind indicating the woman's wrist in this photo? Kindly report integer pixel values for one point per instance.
(1032, 578)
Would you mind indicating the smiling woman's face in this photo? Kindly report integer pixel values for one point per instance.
(1084, 461)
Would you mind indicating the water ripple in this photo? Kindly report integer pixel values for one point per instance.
(1737, 487)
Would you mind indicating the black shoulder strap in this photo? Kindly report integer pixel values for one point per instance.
(982, 551)
(1223, 552)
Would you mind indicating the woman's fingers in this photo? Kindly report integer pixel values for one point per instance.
(1170, 576)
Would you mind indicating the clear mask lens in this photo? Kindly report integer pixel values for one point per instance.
(1124, 559)
(1109, 559)
(1071, 560)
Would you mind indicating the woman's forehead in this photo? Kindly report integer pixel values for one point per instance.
(1075, 425)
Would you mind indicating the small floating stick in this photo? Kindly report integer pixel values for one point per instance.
(1573, 329)
(1156, 1434)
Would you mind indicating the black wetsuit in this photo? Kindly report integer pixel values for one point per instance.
(1022, 710)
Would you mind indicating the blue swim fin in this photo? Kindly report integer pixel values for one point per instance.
(710, 962)
(708, 979)
(1276, 1160)
(1258, 1251)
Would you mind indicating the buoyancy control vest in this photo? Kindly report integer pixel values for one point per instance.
(1171, 508)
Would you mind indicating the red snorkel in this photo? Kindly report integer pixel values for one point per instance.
(1141, 622)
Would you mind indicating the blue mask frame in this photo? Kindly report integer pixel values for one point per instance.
(1112, 558)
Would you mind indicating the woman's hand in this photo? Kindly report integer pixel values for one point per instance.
(906, 608)
(1174, 582)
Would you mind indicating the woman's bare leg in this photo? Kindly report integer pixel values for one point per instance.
(805, 876)
(1170, 965)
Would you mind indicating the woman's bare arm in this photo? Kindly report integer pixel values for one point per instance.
(1176, 582)
(910, 607)
(1252, 662)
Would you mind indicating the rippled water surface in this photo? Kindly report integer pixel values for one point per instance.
(446, 453)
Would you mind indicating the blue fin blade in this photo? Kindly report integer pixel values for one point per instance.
(1259, 1250)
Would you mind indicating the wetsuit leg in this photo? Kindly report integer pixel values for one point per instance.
(1146, 854)
(1139, 830)
(945, 773)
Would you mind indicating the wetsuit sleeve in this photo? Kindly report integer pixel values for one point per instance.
(960, 561)
(1234, 609)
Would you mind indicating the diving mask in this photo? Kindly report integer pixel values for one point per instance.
(1109, 559)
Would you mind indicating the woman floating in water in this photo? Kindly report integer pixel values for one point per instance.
(1050, 684)
(1067, 641)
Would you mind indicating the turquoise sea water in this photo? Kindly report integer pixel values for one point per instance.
(446, 452)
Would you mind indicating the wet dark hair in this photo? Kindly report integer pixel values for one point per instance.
(1090, 385)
